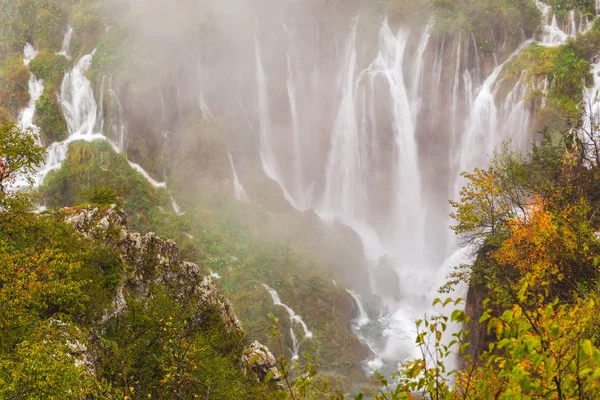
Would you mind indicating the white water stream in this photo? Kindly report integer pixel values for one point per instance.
(295, 319)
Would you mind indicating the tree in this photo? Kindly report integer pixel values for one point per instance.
(20, 156)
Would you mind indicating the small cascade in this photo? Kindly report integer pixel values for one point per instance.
(35, 88)
(489, 125)
(84, 121)
(363, 318)
(552, 34)
(26, 115)
(294, 319)
(591, 118)
(238, 190)
(117, 118)
(77, 99)
(66, 44)
(213, 275)
(176, 207)
(29, 53)
(204, 109)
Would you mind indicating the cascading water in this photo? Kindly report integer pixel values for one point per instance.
(35, 87)
(66, 44)
(238, 189)
(26, 115)
(294, 319)
(83, 122)
(376, 176)
(553, 35)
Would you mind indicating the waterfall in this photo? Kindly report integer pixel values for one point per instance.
(362, 318)
(489, 126)
(297, 154)
(25, 120)
(66, 44)
(591, 117)
(117, 117)
(206, 113)
(553, 35)
(29, 53)
(294, 319)
(238, 189)
(418, 69)
(77, 99)
(35, 88)
(84, 121)
(266, 146)
(344, 191)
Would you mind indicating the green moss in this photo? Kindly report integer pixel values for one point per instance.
(50, 67)
(49, 117)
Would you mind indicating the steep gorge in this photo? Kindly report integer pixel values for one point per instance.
(349, 120)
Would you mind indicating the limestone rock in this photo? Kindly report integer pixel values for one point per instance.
(258, 359)
(153, 261)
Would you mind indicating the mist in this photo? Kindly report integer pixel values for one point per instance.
(354, 121)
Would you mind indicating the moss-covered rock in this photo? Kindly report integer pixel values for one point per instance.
(90, 166)
(49, 117)
(50, 67)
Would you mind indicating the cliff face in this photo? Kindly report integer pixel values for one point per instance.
(154, 268)
(152, 261)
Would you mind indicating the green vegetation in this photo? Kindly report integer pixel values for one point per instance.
(56, 287)
(50, 67)
(239, 241)
(478, 16)
(567, 70)
(14, 79)
(94, 170)
(19, 158)
(562, 7)
(49, 117)
(41, 22)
